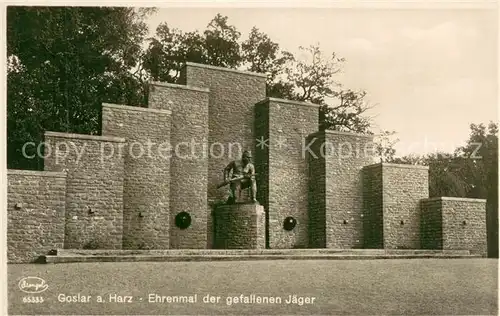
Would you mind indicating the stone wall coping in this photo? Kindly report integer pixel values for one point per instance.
(331, 132)
(458, 199)
(38, 173)
(268, 99)
(135, 108)
(243, 72)
(396, 165)
(86, 137)
(178, 86)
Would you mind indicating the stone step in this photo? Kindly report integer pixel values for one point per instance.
(117, 255)
(174, 258)
(215, 252)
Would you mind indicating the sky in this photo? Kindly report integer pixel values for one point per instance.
(430, 72)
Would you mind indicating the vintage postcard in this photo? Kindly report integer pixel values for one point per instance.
(251, 159)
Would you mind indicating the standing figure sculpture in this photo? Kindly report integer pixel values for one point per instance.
(240, 174)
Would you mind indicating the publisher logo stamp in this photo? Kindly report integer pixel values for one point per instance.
(33, 285)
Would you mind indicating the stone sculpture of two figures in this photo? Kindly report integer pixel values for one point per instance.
(240, 174)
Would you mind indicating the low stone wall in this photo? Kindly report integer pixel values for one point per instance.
(35, 213)
(239, 226)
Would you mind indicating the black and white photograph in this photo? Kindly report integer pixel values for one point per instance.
(250, 158)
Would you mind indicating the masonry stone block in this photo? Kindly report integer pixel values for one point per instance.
(189, 162)
(146, 191)
(317, 194)
(281, 127)
(454, 223)
(36, 203)
(233, 95)
(431, 223)
(94, 187)
(393, 194)
(373, 208)
(336, 160)
(261, 160)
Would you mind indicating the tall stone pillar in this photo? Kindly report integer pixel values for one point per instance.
(281, 164)
(188, 163)
(336, 187)
(230, 115)
(146, 184)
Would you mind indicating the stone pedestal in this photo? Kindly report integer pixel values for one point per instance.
(239, 226)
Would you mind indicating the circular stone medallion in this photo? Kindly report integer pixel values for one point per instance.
(183, 220)
(289, 223)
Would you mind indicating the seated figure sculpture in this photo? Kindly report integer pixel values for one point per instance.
(240, 174)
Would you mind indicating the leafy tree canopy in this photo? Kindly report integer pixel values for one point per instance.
(64, 63)
(470, 171)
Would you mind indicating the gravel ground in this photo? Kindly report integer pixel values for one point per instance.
(344, 287)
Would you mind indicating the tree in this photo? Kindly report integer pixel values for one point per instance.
(311, 78)
(260, 54)
(64, 62)
(446, 176)
(313, 75)
(221, 43)
(470, 171)
(480, 156)
(169, 50)
(67, 61)
(217, 46)
(348, 114)
(384, 146)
